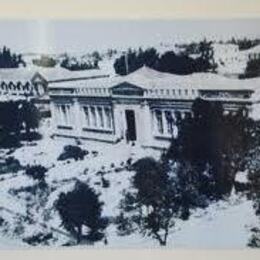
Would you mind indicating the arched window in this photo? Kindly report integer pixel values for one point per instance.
(18, 86)
(26, 87)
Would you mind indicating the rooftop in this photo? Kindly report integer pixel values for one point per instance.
(148, 78)
(50, 74)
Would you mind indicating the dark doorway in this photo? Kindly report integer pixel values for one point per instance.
(130, 125)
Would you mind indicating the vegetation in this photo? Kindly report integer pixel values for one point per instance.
(10, 60)
(86, 63)
(17, 118)
(252, 69)
(169, 61)
(252, 164)
(81, 207)
(156, 199)
(214, 145)
(45, 61)
(72, 152)
(200, 166)
(245, 44)
(36, 172)
(10, 165)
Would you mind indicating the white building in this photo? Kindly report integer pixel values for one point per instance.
(140, 107)
(32, 83)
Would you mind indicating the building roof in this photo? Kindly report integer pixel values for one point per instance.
(148, 78)
(15, 75)
(49, 74)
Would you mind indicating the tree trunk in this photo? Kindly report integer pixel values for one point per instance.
(79, 234)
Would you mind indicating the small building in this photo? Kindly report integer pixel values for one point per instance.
(32, 83)
(141, 107)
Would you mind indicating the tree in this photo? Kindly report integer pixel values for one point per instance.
(252, 69)
(30, 117)
(135, 60)
(214, 144)
(81, 207)
(158, 196)
(171, 62)
(45, 61)
(14, 116)
(9, 60)
(36, 172)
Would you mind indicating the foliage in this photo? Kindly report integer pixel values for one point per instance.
(214, 144)
(9, 60)
(45, 61)
(37, 172)
(252, 69)
(169, 61)
(81, 207)
(72, 152)
(39, 239)
(158, 196)
(10, 165)
(199, 166)
(135, 60)
(85, 63)
(245, 44)
(15, 117)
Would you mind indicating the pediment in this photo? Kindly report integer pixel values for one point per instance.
(127, 89)
(37, 77)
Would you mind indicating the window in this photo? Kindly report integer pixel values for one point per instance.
(94, 116)
(169, 121)
(168, 92)
(180, 92)
(100, 117)
(64, 114)
(173, 92)
(186, 92)
(159, 122)
(108, 118)
(86, 113)
(162, 91)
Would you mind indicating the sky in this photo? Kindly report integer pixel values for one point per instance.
(58, 36)
(121, 9)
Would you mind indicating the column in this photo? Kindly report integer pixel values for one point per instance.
(147, 124)
(77, 118)
(164, 122)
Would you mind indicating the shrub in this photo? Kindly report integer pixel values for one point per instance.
(36, 172)
(10, 165)
(105, 183)
(39, 238)
(81, 207)
(72, 152)
(252, 69)
(45, 61)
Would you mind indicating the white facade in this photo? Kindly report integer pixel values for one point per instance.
(142, 107)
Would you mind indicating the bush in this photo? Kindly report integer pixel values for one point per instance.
(81, 207)
(39, 239)
(10, 165)
(72, 152)
(36, 172)
(45, 61)
(105, 183)
(9, 141)
(252, 69)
